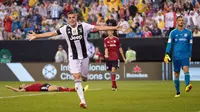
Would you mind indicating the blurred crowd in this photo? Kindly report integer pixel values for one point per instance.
(139, 18)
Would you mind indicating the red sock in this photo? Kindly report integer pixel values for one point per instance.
(61, 89)
(113, 78)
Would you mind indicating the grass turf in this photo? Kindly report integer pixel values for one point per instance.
(132, 96)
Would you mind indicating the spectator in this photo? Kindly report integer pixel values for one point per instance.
(101, 22)
(161, 24)
(7, 26)
(130, 21)
(125, 26)
(114, 14)
(159, 16)
(1, 30)
(137, 30)
(138, 18)
(156, 32)
(94, 34)
(61, 55)
(67, 8)
(112, 22)
(146, 33)
(55, 10)
(133, 10)
(42, 10)
(2, 13)
(24, 11)
(113, 4)
(130, 33)
(84, 12)
(141, 6)
(17, 33)
(196, 32)
(31, 3)
(170, 20)
(103, 9)
(16, 24)
(98, 57)
(188, 6)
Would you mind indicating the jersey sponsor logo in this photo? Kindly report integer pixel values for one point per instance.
(49, 71)
(182, 39)
(113, 45)
(76, 37)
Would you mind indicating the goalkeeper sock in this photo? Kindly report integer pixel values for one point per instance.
(187, 78)
(177, 85)
(113, 78)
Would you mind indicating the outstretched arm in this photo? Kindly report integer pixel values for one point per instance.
(100, 28)
(36, 36)
(15, 89)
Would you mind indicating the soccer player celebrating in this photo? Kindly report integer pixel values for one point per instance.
(76, 34)
(180, 40)
(112, 48)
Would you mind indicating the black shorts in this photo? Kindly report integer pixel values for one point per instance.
(112, 63)
(45, 87)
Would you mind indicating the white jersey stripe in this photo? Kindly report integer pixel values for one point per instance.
(79, 49)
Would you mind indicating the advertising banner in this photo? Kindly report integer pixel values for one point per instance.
(97, 71)
(143, 71)
(194, 72)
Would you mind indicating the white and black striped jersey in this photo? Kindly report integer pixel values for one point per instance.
(76, 39)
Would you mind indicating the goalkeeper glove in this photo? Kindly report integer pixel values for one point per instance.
(167, 58)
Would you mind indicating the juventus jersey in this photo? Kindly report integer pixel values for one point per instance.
(76, 39)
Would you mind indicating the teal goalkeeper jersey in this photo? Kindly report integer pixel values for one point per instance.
(181, 43)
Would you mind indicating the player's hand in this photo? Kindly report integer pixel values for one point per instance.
(125, 61)
(7, 86)
(119, 27)
(106, 56)
(167, 58)
(32, 36)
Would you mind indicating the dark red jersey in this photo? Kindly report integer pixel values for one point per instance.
(113, 45)
(34, 87)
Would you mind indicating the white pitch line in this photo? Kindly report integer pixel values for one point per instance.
(94, 89)
(38, 94)
(15, 96)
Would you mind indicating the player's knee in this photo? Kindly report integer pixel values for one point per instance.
(77, 76)
(113, 69)
(186, 69)
(176, 74)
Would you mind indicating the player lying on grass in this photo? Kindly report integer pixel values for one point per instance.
(39, 87)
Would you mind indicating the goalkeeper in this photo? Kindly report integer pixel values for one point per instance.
(180, 41)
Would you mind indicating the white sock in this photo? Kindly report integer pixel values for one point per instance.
(79, 89)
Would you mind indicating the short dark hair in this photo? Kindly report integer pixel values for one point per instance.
(20, 88)
(72, 12)
(179, 17)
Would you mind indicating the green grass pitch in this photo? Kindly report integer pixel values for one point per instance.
(132, 96)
